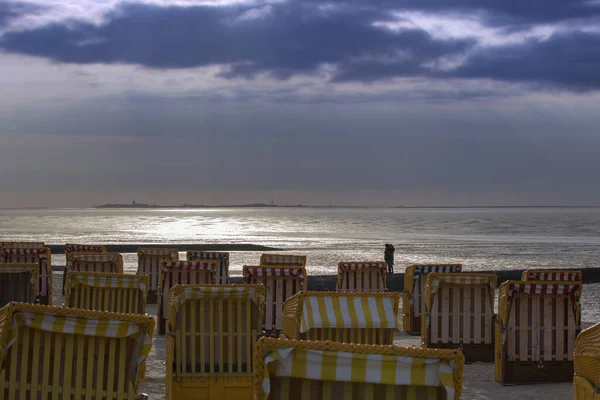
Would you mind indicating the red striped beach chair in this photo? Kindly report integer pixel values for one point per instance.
(181, 273)
(222, 257)
(95, 262)
(211, 336)
(586, 358)
(149, 260)
(281, 283)
(360, 276)
(365, 318)
(79, 248)
(120, 293)
(283, 259)
(305, 370)
(18, 282)
(65, 353)
(39, 256)
(459, 314)
(535, 332)
(414, 292)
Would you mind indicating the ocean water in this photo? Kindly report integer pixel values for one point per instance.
(479, 238)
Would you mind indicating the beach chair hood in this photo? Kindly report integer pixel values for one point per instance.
(274, 271)
(434, 280)
(357, 266)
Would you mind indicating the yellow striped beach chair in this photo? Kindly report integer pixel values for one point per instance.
(79, 248)
(64, 353)
(283, 259)
(18, 282)
(221, 257)
(181, 273)
(149, 260)
(535, 331)
(359, 276)
(120, 293)
(414, 292)
(587, 364)
(39, 256)
(304, 370)
(281, 283)
(95, 262)
(211, 336)
(364, 318)
(459, 314)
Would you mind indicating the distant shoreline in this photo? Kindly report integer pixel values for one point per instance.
(263, 205)
(132, 248)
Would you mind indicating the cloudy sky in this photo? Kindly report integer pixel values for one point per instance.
(415, 102)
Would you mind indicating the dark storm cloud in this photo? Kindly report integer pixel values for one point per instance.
(294, 38)
(9, 11)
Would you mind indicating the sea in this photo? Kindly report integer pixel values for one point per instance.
(479, 238)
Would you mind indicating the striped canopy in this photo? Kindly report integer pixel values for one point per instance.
(349, 311)
(283, 259)
(358, 265)
(263, 271)
(564, 276)
(94, 257)
(52, 321)
(78, 248)
(148, 251)
(345, 366)
(23, 245)
(110, 280)
(443, 268)
(206, 255)
(197, 265)
(41, 252)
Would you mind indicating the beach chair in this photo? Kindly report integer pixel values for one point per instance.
(459, 314)
(211, 335)
(18, 282)
(283, 259)
(64, 353)
(535, 331)
(281, 283)
(95, 262)
(586, 359)
(39, 256)
(120, 293)
(221, 257)
(149, 260)
(79, 248)
(363, 318)
(358, 276)
(414, 292)
(181, 273)
(23, 245)
(304, 370)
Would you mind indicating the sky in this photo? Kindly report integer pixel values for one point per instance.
(361, 102)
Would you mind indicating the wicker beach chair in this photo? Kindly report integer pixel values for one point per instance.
(414, 292)
(283, 259)
(535, 331)
(42, 258)
(211, 335)
(363, 318)
(549, 275)
(221, 257)
(459, 314)
(149, 260)
(304, 370)
(65, 353)
(18, 282)
(79, 248)
(360, 276)
(281, 283)
(587, 364)
(181, 273)
(120, 293)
